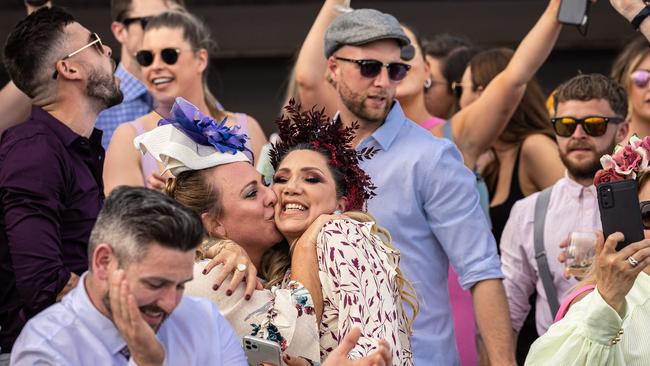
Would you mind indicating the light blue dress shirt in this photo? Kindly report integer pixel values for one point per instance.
(137, 102)
(74, 332)
(427, 200)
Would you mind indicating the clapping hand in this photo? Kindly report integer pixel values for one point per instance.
(144, 347)
(339, 356)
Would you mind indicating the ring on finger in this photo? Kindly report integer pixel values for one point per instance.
(241, 267)
(632, 261)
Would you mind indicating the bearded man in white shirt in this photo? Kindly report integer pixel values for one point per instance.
(572, 205)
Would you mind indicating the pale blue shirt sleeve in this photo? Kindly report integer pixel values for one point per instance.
(452, 206)
(228, 346)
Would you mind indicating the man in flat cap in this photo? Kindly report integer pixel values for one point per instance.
(426, 197)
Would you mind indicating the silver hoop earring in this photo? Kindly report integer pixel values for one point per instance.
(427, 83)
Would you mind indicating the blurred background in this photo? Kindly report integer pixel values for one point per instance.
(258, 39)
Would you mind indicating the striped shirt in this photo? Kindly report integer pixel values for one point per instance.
(137, 102)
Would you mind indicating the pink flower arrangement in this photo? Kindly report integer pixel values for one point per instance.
(627, 162)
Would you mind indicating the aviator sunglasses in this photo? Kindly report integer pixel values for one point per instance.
(371, 68)
(168, 55)
(640, 78)
(93, 41)
(593, 125)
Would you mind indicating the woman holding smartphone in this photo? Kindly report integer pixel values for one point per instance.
(607, 323)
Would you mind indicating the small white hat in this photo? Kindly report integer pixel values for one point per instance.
(178, 153)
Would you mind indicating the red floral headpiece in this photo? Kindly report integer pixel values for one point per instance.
(316, 130)
(628, 162)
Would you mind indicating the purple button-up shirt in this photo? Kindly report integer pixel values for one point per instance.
(50, 194)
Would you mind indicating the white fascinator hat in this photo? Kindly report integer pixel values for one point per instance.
(190, 140)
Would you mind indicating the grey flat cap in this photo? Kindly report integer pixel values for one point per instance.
(363, 26)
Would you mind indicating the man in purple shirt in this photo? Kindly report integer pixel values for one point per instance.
(51, 165)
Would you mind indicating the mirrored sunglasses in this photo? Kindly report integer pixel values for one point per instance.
(640, 78)
(371, 68)
(168, 55)
(593, 125)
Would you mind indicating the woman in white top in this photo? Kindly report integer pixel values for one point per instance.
(609, 326)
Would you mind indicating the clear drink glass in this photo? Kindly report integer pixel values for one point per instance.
(580, 253)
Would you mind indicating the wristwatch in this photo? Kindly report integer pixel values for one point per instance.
(639, 18)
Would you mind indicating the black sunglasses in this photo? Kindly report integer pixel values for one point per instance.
(593, 125)
(371, 68)
(142, 20)
(94, 41)
(168, 55)
(645, 214)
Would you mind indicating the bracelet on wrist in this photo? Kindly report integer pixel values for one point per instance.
(640, 17)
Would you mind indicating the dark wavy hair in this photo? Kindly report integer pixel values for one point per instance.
(33, 47)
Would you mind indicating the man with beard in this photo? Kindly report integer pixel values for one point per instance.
(129, 307)
(50, 166)
(589, 121)
(426, 197)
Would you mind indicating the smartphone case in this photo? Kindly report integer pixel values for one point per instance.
(258, 351)
(573, 12)
(619, 210)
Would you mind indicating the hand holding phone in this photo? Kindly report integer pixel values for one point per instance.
(619, 210)
(258, 351)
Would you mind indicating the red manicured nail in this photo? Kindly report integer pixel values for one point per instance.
(215, 287)
(228, 293)
(247, 297)
(205, 271)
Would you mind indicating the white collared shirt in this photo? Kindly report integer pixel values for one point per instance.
(74, 332)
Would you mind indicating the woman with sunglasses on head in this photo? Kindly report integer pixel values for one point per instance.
(174, 59)
(356, 264)
(632, 69)
(604, 321)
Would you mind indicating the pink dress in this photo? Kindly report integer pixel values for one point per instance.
(462, 309)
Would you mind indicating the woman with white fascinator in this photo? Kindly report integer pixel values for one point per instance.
(214, 177)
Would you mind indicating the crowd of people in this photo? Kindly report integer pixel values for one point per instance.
(413, 206)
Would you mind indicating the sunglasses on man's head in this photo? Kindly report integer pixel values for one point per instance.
(93, 41)
(142, 20)
(645, 214)
(593, 125)
(640, 78)
(371, 68)
(168, 55)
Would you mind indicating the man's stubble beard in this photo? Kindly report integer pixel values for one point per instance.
(354, 102)
(103, 89)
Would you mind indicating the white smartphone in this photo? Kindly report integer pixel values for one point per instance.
(258, 350)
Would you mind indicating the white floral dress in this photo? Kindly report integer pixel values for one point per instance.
(283, 315)
(359, 280)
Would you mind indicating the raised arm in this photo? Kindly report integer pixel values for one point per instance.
(500, 99)
(629, 9)
(122, 164)
(311, 65)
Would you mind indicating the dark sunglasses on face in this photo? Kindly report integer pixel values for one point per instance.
(645, 214)
(94, 41)
(457, 88)
(142, 20)
(593, 125)
(640, 78)
(371, 68)
(168, 55)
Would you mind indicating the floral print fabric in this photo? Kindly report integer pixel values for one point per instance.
(359, 280)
